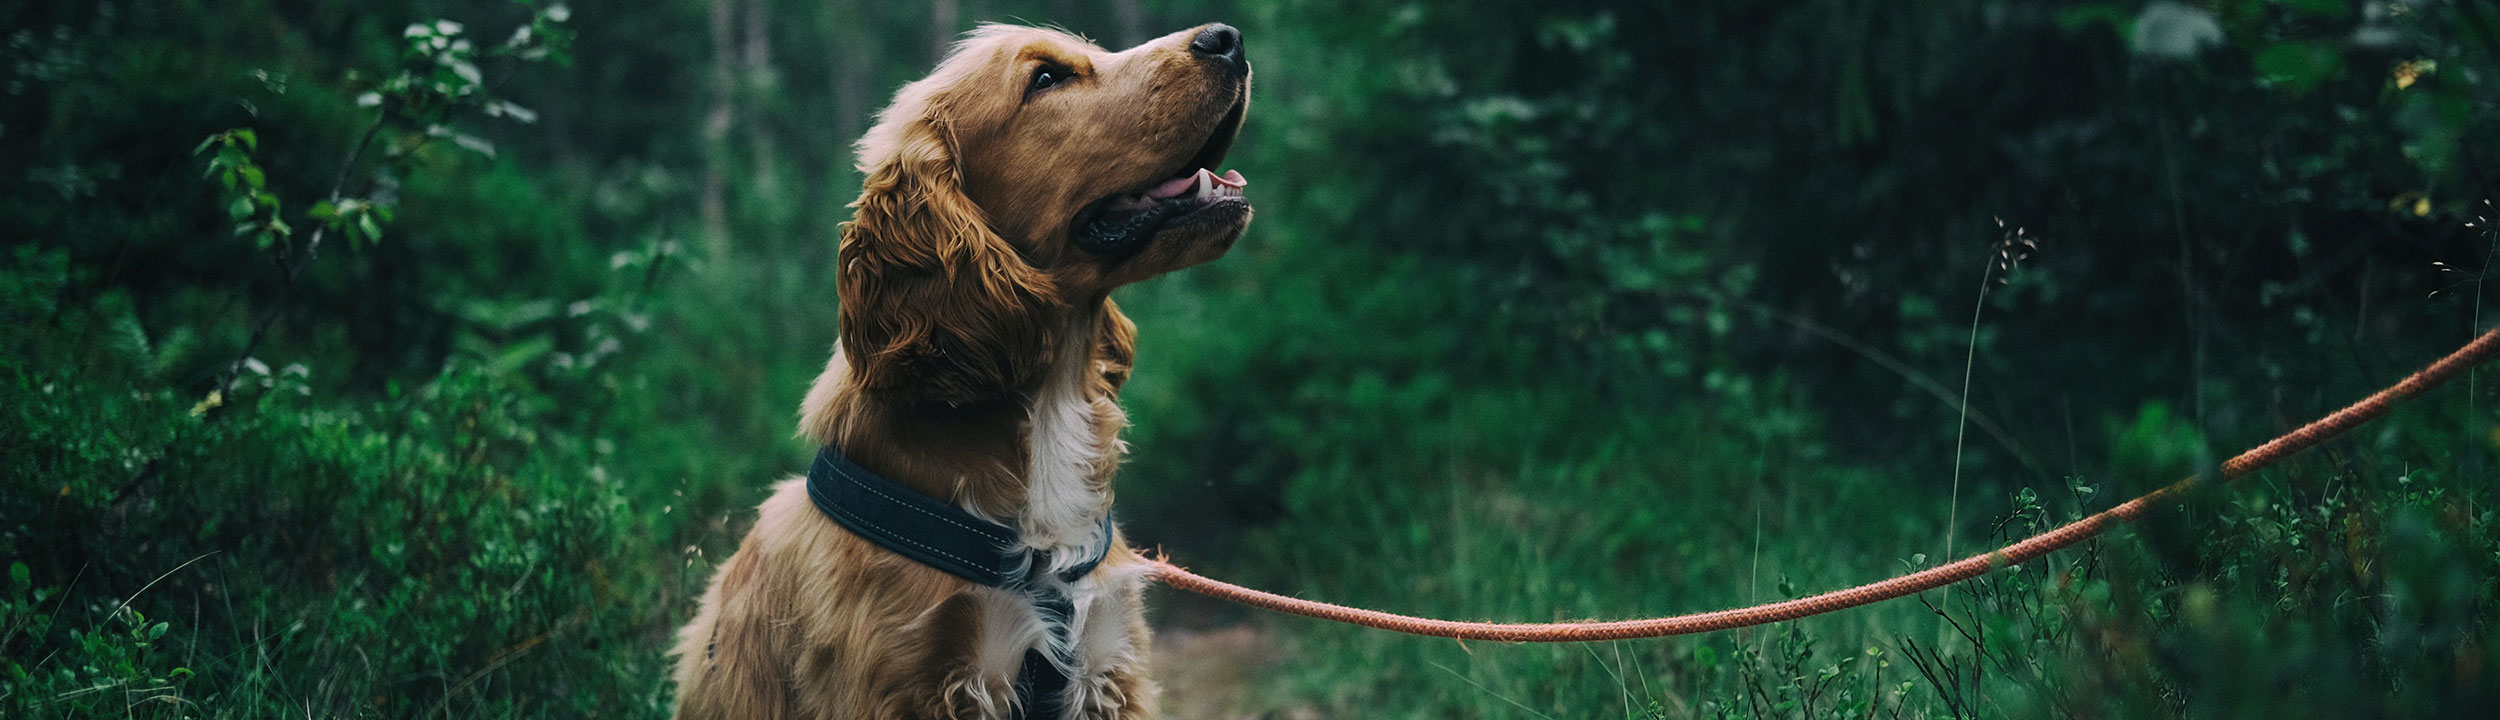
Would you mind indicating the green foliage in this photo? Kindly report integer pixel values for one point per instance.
(253, 209)
(457, 546)
(317, 545)
(111, 670)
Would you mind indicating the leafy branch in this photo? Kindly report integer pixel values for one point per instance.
(436, 81)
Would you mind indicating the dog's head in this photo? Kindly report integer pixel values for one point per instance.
(1030, 171)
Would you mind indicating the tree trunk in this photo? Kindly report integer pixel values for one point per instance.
(758, 80)
(716, 124)
(942, 20)
(852, 51)
(1132, 19)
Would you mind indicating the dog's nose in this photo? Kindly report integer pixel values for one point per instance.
(1221, 43)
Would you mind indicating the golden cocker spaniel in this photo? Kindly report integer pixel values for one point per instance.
(978, 366)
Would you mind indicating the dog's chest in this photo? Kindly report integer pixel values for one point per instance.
(1096, 641)
(1072, 439)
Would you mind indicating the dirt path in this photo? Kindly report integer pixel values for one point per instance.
(1215, 673)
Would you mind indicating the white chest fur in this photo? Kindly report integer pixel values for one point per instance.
(1097, 641)
(1072, 451)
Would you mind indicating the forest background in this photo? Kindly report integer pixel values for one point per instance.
(418, 358)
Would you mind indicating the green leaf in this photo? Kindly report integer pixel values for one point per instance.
(19, 574)
(519, 355)
(253, 176)
(325, 212)
(251, 140)
(373, 230)
(501, 108)
(158, 630)
(212, 140)
(473, 143)
(241, 208)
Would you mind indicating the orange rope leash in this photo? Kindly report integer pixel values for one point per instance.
(2370, 408)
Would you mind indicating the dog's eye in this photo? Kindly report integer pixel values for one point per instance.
(1046, 77)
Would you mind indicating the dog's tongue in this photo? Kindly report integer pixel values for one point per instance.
(1179, 186)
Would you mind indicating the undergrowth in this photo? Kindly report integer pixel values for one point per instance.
(448, 548)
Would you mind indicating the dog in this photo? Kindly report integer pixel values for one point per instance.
(975, 380)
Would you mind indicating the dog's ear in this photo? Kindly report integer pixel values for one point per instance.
(935, 306)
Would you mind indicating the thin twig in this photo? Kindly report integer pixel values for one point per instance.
(295, 268)
(1957, 627)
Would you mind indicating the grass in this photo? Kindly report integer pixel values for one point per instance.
(1672, 503)
(1593, 540)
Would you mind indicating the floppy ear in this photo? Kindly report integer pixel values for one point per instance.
(935, 306)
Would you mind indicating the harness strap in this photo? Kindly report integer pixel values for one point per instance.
(1041, 688)
(949, 539)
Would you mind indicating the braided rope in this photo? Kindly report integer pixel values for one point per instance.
(2370, 408)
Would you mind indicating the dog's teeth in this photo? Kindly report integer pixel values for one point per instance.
(1203, 182)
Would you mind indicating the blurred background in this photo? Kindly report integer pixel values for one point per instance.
(407, 358)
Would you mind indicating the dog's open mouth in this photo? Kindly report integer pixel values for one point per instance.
(1120, 224)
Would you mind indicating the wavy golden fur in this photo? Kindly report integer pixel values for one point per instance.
(979, 362)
